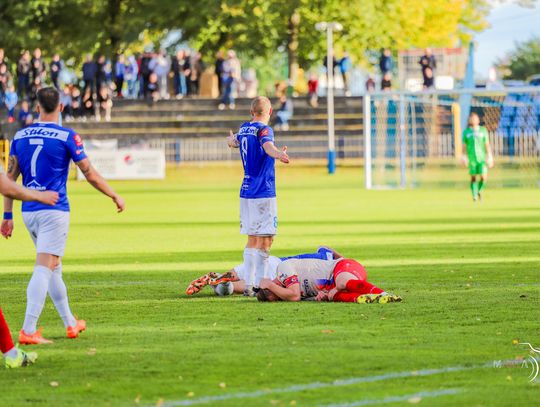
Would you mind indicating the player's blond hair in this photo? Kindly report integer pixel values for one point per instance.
(261, 105)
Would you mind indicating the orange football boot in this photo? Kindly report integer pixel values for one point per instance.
(197, 285)
(35, 339)
(73, 331)
(223, 278)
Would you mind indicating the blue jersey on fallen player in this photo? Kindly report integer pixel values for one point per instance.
(324, 253)
(259, 168)
(44, 152)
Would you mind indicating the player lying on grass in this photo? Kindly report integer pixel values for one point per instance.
(233, 281)
(477, 154)
(42, 153)
(15, 357)
(258, 207)
(341, 280)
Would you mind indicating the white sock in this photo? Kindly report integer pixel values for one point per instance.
(12, 353)
(262, 265)
(250, 259)
(36, 293)
(58, 293)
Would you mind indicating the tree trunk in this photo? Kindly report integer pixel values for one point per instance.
(113, 28)
(292, 46)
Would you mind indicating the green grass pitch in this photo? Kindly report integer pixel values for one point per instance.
(468, 274)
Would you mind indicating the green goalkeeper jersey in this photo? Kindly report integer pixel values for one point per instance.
(475, 140)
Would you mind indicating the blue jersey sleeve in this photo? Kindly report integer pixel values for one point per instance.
(266, 134)
(323, 254)
(13, 148)
(75, 146)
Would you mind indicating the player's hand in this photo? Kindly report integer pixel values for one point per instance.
(231, 140)
(265, 283)
(48, 197)
(322, 296)
(464, 160)
(120, 203)
(7, 228)
(283, 156)
(332, 293)
(490, 161)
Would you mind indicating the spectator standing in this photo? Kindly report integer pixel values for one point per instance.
(345, 66)
(179, 80)
(386, 82)
(101, 74)
(55, 68)
(186, 69)
(11, 100)
(38, 66)
(5, 79)
(132, 72)
(313, 87)
(386, 63)
(89, 70)
(24, 112)
(427, 61)
(23, 75)
(197, 68)
(161, 67)
(119, 74)
(152, 89)
(284, 113)
(144, 73)
(232, 72)
(218, 69)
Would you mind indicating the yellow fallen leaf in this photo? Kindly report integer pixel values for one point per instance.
(54, 384)
(191, 394)
(222, 385)
(160, 403)
(415, 400)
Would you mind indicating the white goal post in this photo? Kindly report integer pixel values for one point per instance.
(405, 133)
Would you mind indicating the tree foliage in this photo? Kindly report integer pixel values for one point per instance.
(253, 27)
(522, 62)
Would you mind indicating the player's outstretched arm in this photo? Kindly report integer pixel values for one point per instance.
(95, 179)
(291, 293)
(464, 156)
(232, 142)
(275, 153)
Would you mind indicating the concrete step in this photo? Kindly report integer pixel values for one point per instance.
(165, 112)
(198, 103)
(206, 123)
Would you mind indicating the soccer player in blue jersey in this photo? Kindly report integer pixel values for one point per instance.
(258, 207)
(42, 153)
(235, 278)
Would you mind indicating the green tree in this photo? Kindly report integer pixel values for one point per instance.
(522, 62)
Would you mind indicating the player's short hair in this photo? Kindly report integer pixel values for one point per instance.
(473, 114)
(265, 295)
(261, 105)
(48, 99)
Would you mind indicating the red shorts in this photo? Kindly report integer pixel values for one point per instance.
(352, 267)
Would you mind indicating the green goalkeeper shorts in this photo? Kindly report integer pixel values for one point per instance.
(478, 168)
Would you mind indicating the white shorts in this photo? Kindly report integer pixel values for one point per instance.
(273, 263)
(258, 217)
(49, 230)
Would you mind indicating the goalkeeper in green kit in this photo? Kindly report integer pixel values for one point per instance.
(477, 154)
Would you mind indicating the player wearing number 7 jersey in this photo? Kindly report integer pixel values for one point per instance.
(258, 208)
(42, 153)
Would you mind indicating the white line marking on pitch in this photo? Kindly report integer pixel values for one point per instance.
(394, 399)
(336, 383)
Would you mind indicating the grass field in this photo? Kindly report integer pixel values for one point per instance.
(468, 273)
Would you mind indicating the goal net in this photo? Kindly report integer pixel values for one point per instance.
(413, 139)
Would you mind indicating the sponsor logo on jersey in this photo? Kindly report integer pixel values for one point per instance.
(264, 132)
(78, 140)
